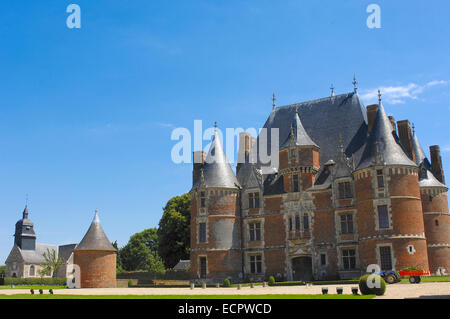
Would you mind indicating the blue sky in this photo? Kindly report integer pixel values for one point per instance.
(86, 114)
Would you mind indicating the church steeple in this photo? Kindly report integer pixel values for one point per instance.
(25, 237)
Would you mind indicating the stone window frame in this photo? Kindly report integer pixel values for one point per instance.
(384, 191)
(335, 189)
(199, 266)
(341, 257)
(308, 216)
(247, 227)
(378, 254)
(344, 181)
(293, 183)
(202, 220)
(248, 263)
(382, 202)
(247, 196)
(338, 225)
(32, 267)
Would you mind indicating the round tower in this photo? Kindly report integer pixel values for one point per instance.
(435, 213)
(389, 209)
(215, 218)
(96, 257)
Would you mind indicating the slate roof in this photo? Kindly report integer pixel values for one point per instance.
(217, 171)
(323, 120)
(383, 145)
(95, 238)
(36, 256)
(182, 265)
(426, 177)
(297, 134)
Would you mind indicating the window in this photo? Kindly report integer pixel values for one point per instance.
(255, 231)
(385, 256)
(383, 216)
(32, 271)
(203, 268)
(295, 187)
(202, 199)
(323, 259)
(345, 190)
(348, 259)
(202, 232)
(305, 221)
(256, 264)
(290, 223)
(253, 200)
(347, 224)
(293, 153)
(297, 222)
(380, 178)
(436, 222)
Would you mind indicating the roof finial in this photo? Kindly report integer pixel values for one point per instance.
(96, 219)
(355, 87)
(332, 90)
(215, 126)
(413, 129)
(379, 96)
(273, 101)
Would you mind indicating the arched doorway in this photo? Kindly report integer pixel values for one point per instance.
(302, 269)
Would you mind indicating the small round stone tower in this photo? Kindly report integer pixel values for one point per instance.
(96, 257)
(215, 218)
(389, 207)
(435, 213)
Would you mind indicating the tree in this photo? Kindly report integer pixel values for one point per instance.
(2, 270)
(51, 264)
(141, 252)
(118, 261)
(174, 230)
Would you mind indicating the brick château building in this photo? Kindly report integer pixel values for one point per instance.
(353, 188)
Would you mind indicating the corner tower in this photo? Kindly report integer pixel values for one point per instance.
(389, 209)
(435, 213)
(216, 251)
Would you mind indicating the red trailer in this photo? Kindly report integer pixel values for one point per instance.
(414, 275)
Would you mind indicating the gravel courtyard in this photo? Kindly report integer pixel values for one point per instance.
(396, 291)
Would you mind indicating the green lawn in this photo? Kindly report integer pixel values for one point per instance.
(47, 296)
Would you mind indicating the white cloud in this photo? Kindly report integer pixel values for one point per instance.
(399, 94)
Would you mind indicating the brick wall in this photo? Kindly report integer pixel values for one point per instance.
(98, 268)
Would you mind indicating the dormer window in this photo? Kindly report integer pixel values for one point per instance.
(293, 153)
(345, 190)
(253, 200)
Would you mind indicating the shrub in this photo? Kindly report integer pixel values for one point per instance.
(365, 290)
(130, 282)
(36, 281)
(271, 280)
(227, 283)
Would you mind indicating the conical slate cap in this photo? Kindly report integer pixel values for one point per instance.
(95, 238)
(298, 134)
(382, 146)
(426, 177)
(217, 171)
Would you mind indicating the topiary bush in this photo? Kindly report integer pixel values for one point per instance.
(130, 282)
(271, 280)
(365, 290)
(227, 283)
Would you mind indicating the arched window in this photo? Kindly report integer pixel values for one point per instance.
(436, 222)
(32, 271)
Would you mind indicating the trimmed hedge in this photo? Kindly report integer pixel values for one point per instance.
(365, 290)
(35, 281)
(288, 283)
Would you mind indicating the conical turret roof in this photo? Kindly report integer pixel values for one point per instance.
(217, 171)
(426, 177)
(383, 146)
(298, 134)
(95, 238)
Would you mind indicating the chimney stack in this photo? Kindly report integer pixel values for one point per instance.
(371, 113)
(199, 161)
(436, 163)
(246, 143)
(404, 133)
(394, 127)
